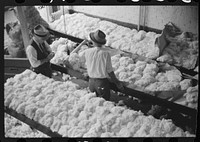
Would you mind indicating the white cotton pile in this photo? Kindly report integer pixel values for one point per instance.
(191, 97)
(148, 75)
(119, 37)
(60, 58)
(185, 84)
(61, 47)
(74, 60)
(166, 58)
(183, 50)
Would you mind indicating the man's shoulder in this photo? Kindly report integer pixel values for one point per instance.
(30, 48)
(104, 51)
(89, 50)
(94, 49)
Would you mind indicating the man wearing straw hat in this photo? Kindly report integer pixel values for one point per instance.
(39, 52)
(99, 67)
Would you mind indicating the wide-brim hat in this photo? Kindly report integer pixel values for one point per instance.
(98, 37)
(40, 31)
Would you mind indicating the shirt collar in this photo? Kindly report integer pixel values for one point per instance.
(37, 42)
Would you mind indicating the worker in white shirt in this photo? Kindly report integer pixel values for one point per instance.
(99, 67)
(39, 52)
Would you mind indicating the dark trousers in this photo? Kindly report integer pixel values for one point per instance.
(44, 69)
(59, 68)
(101, 87)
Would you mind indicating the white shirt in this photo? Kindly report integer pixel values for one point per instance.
(32, 54)
(98, 62)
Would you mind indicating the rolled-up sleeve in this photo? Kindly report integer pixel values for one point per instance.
(32, 56)
(109, 67)
(48, 47)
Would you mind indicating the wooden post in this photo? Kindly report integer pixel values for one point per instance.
(142, 17)
(24, 27)
(48, 13)
(50, 8)
(139, 19)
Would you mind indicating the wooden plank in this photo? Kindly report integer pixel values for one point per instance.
(77, 74)
(17, 62)
(14, 70)
(183, 70)
(13, 66)
(157, 101)
(61, 34)
(31, 122)
(59, 68)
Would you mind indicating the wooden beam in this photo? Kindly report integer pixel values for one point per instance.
(60, 34)
(32, 123)
(156, 100)
(24, 27)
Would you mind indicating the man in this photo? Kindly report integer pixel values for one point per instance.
(99, 67)
(39, 52)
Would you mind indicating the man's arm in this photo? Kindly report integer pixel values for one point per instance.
(51, 53)
(32, 56)
(48, 47)
(113, 77)
(112, 74)
(118, 83)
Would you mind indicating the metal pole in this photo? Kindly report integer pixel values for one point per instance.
(64, 19)
(144, 17)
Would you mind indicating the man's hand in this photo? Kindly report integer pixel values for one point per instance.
(67, 64)
(125, 83)
(51, 55)
(88, 43)
(85, 41)
(120, 85)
